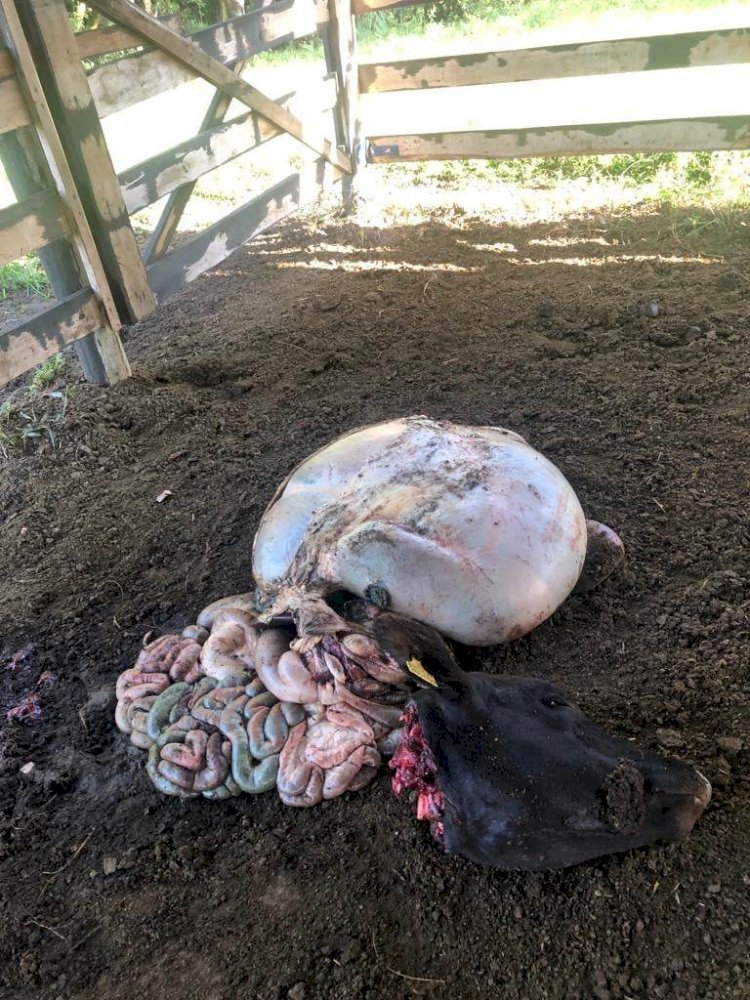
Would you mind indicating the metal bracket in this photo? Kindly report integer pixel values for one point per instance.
(373, 151)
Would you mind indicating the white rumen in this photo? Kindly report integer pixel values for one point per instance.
(467, 529)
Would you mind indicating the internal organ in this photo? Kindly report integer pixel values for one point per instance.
(467, 529)
(227, 708)
(414, 769)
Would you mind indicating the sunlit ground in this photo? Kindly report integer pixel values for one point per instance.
(519, 191)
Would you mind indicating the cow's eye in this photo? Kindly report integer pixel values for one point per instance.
(554, 703)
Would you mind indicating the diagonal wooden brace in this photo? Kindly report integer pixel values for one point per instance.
(220, 76)
(169, 220)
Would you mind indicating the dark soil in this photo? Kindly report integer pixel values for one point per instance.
(110, 890)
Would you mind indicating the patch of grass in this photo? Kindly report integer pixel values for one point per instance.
(447, 20)
(47, 373)
(716, 178)
(29, 422)
(302, 50)
(25, 275)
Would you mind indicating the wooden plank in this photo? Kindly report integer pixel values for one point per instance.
(682, 134)
(297, 20)
(13, 111)
(54, 155)
(28, 225)
(204, 251)
(111, 359)
(272, 29)
(341, 55)
(23, 160)
(343, 44)
(54, 48)
(113, 38)
(35, 338)
(166, 226)
(118, 85)
(185, 52)
(369, 6)
(625, 55)
(150, 180)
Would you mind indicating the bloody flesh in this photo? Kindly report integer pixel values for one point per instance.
(414, 769)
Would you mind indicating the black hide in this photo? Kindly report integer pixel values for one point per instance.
(530, 783)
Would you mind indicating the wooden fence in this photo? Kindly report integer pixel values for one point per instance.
(74, 210)
(591, 58)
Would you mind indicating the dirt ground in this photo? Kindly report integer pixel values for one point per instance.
(627, 361)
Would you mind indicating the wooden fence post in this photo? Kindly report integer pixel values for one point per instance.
(52, 43)
(24, 165)
(340, 46)
(102, 354)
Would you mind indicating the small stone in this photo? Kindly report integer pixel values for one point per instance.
(662, 339)
(109, 866)
(669, 738)
(721, 773)
(653, 309)
(729, 281)
(555, 443)
(545, 309)
(350, 951)
(561, 348)
(714, 887)
(297, 992)
(729, 744)
(28, 769)
(100, 703)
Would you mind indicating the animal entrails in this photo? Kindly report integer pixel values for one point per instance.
(432, 530)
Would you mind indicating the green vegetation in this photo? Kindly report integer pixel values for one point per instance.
(453, 15)
(195, 13)
(25, 275)
(532, 14)
(34, 420)
(722, 175)
(703, 178)
(47, 373)
(449, 19)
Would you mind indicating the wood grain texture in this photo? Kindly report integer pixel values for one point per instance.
(13, 110)
(56, 161)
(120, 84)
(31, 224)
(113, 38)
(211, 69)
(683, 134)
(625, 55)
(34, 339)
(152, 179)
(343, 45)
(106, 350)
(76, 122)
(23, 160)
(166, 227)
(204, 251)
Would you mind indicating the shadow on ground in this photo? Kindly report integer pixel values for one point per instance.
(620, 347)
